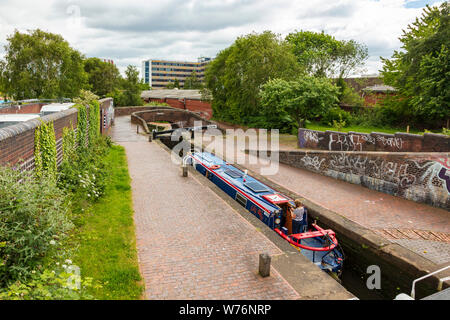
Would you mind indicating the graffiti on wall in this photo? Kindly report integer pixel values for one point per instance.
(349, 142)
(425, 180)
(356, 142)
(312, 162)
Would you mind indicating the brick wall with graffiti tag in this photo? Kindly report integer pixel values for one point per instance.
(421, 177)
(356, 141)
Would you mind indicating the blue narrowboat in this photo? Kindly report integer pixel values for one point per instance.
(318, 245)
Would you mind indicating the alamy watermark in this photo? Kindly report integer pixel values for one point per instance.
(374, 280)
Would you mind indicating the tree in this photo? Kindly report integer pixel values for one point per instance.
(235, 77)
(193, 82)
(132, 87)
(322, 55)
(421, 71)
(302, 99)
(103, 77)
(41, 65)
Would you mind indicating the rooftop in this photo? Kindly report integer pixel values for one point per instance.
(172, 93)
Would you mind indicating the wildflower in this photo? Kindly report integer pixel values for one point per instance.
(68, 261)
(52, 242)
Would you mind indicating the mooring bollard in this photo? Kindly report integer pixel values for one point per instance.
(137, 129)
(185, 171)
(264, 265)
(150, 137)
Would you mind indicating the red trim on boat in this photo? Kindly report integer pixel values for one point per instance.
(311, 234)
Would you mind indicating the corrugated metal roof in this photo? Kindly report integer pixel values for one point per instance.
(55, 107)
(17, 117)
(172, 94)
(379, 88)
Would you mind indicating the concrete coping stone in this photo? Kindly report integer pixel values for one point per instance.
(408, 135)
(10, 131)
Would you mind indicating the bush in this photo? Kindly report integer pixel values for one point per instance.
(58, 284)
(33, 216)
(336, 114)
(84, 174)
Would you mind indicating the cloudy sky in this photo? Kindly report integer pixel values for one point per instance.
(129, 31)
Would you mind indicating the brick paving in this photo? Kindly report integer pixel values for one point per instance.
(191, 244)
(392, 217)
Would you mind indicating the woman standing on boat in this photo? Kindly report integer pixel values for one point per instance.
(297, 217)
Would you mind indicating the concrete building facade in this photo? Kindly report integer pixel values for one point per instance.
(159, 73)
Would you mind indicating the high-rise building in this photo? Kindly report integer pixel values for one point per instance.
(159, 73)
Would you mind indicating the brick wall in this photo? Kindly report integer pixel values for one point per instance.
(23, 109)
(177, 118)
(356, 141)
(420, 177)
(202, 107)
(17, 141)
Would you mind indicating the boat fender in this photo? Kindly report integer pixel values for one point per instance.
(214, 167)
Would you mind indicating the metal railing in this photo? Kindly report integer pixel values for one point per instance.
(441, 281)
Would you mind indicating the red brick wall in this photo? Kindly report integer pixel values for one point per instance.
(17, 141)
(204, 108)
(30, 108)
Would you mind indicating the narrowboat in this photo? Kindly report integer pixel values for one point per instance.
(318, 245)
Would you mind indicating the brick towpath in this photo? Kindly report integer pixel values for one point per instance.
(191, 243)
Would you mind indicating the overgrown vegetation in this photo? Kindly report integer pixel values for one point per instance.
(48, 219)
(421, 70)
(107, 250)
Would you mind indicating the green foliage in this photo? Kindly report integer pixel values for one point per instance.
(156, 104)
(86, 98)
(235, 77)
(94, 122)
(446, 131)
(339, 124)
(421, 71)
(322, 55)
(103, 77)
(302, 99)
(37, 153)
(39, 64)
(132, 88)
(69, 143)
(33, 216)
(170, 85)
(193, 82)
(45, 155)
(82, 125)
(83, 174)
(58, 284)
(336, 114)
(106, 236)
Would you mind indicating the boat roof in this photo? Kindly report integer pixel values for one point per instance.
(17, 117)
(55, 107)
(252, 187)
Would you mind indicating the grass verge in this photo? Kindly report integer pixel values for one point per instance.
(106, 237)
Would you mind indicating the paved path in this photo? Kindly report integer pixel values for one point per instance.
(419, 227)
(191, 244)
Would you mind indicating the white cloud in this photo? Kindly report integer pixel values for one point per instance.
(131, 31)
